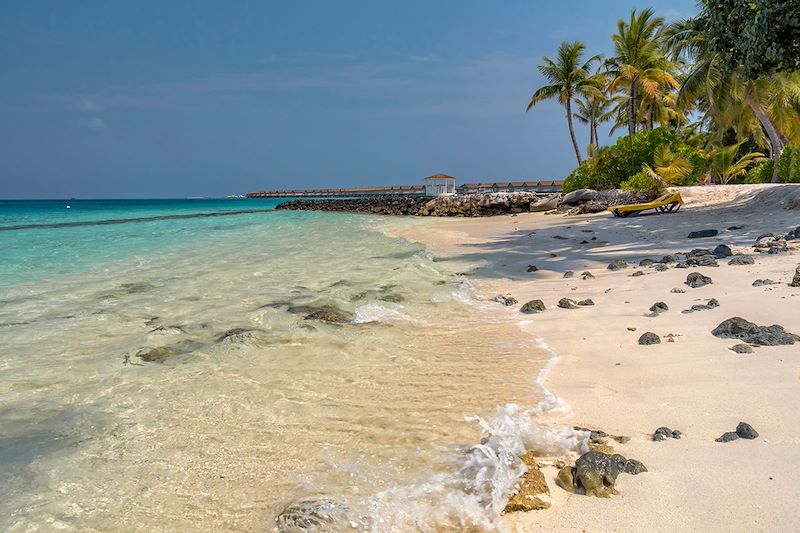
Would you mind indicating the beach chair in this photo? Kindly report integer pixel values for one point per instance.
(669, 202)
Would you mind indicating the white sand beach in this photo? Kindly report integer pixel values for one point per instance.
(695, 384)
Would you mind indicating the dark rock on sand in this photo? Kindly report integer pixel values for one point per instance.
(703, 233)
(505, 299)
(658, 307)
(727, 437)
(660, 267)
(531, 486)
(313, 515)
(617, 264)
(771, 244)
(646, 262)
(534, 306)
(567, 303)
(746, 431)
(649, 338)
(739, 328)
(696, 280)
(711, 304)
(664, 433)
(668, 259)
(596, 473)
(741, 348)
(637, 274)
(532, 268)
(762, 282)
(586, 302)
(741, 259)
(721, 251)
(796, 279)
(587, 275)
(701, 258)
(568, 274)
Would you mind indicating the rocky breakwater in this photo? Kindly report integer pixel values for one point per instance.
(472, 205)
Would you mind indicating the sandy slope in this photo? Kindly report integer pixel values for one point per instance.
(695, 384)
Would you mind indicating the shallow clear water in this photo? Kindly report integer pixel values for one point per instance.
(101, 433)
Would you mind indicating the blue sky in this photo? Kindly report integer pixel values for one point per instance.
(200, 98)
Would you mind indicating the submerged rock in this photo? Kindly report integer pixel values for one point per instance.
(741, 259)
(703, 233)
(321, 515)
(617, 264)
(534, 306)
(532, 268)
(649, 338)
(328, 314)
(739, 328)
(162, 353)
(531, 486)
(696, 280)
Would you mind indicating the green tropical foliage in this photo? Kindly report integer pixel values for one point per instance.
(763, 37)
(643, 182)
(692, 113)
(724, 165)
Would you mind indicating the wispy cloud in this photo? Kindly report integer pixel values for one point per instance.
(90, 105)
(96, 124)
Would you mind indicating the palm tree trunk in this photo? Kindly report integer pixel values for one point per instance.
(632, 110)
(596, 138)
(572, 131)
(651, 115)
(592, 140)
(776, 145)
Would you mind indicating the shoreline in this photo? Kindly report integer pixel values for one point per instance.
(695, 384)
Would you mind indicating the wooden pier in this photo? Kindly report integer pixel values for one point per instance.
(411, 190)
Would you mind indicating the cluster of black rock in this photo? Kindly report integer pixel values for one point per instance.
(473, 205)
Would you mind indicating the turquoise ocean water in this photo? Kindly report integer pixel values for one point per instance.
(164, 374)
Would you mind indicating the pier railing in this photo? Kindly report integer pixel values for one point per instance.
(411, 190)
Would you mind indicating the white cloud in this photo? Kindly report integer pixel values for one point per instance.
(97, 123)
(90, 105)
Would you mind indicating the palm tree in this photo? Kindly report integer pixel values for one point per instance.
(766, 109)
(568, 76)
(723, 166)
(593, 110)
(639, 66)
(668, 166)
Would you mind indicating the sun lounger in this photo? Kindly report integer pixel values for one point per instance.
(669, 202)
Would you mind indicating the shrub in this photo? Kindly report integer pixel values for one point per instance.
(788, 167)
(615, 164)
(760, 173)
(642, 182)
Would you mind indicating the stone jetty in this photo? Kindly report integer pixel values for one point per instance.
(468, 205)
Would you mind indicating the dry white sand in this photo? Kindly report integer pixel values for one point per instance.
(695, 384)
